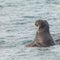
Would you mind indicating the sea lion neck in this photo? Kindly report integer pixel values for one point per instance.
(45, 29)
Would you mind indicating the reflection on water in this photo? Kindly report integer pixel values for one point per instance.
(17, 28)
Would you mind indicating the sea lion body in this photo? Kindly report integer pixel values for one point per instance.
(43, 37)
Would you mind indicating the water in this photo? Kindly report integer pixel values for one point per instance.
(17, 19)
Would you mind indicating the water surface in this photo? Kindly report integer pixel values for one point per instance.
(17, 28)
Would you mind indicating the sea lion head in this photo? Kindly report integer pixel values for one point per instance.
(42, 24)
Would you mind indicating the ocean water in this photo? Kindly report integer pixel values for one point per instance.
(17, 28)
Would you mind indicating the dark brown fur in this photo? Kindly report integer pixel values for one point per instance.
(43, 37)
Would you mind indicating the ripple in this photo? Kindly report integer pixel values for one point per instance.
(11, 4)
(53, 2)
(17, 19)
(2, 42)
(1, 6)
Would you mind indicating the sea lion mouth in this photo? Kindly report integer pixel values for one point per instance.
(37, 26)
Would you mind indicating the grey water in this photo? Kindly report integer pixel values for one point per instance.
(17, 28)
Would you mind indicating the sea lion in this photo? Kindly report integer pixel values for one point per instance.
(43, 37)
